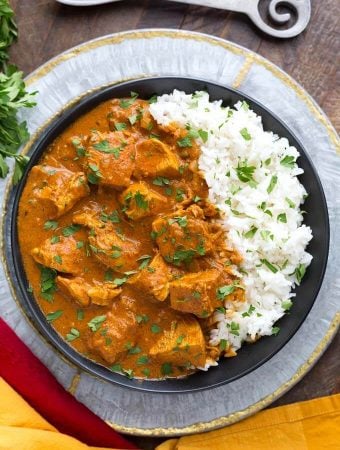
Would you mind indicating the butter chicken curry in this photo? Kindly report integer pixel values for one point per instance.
(121, 247)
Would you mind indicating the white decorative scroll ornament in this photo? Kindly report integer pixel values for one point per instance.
(301, 8)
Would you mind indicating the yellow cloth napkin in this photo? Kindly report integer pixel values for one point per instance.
(22, 428)
(310, 425)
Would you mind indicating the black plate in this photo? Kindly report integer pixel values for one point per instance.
(250, 356)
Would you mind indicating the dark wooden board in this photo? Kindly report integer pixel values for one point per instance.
(47, 28)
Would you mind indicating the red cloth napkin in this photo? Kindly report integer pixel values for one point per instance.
(35, 383)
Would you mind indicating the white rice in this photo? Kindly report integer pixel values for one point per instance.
(236, 137)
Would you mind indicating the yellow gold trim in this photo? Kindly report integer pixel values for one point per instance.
(243, 72)
(201, 427)
(250, 59)
(74, 384)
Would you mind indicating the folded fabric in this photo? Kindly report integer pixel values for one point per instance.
(21, 427)
(310, 425)
(33, 381)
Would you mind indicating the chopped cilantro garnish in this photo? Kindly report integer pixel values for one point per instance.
(58, 259)
(54, 315)
(105, 147)
(142, 360)
(80, 314)
(145, 261)
(126, 103)
(288, 161)
(140, 201)
(181, 220)
(245, 173)
(290, 203)
(120, 126)
(251, 233)
(50, 225)
(272, 184)
(275, 331)
(234, 328)
(143, 318)
(286, 305)
(166, 368)
(223, 291)
(245, 134)
(282, 218)
(113, 217)
(47, 283)
(203, 135)
(184, 142)
(161, 181)
(153, 99)
(300, 272)
(70, 230)
(134, 350)
(223, 344)
(120, 281)
(269, 265)
(94, 175)
(72, 335)
(96, 322)
(55, 239)
(155, 328)
(250, 311)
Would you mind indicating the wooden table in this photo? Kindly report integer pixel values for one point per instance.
(47, 28)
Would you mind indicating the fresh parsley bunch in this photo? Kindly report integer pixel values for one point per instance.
(13, 96)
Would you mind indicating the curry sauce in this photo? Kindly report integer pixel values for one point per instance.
(122, 249)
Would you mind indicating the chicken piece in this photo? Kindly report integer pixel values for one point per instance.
(183, 236)
(182, 344)
(110, 247)
(85, 294)
(63, 256)
(153, 279)
(154, 158)
(142, 201)
(58, 188)
(196, 293)
(110, 339)
(110, 159)
(133, 113)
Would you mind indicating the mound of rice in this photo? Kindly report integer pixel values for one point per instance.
(252, 179)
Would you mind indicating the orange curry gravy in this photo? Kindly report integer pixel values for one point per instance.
(121, 246)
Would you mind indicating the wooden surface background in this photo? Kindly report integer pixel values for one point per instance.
(47, 28)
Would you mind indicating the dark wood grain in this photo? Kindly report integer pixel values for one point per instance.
(48, 28)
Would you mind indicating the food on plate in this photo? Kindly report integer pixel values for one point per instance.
(159, 235)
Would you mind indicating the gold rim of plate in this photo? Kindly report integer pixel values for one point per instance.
(250, 59)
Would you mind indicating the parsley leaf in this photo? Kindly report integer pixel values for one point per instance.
(105, 147)
(126, 103)
(288, 161)
(300, 273)
(184, 142)
(140, 201)
(96, 322)
(272, 184)
(245, 134)
(245, 173)
(72, 335)
(269, 265)
(54, 315)
(50, 225)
